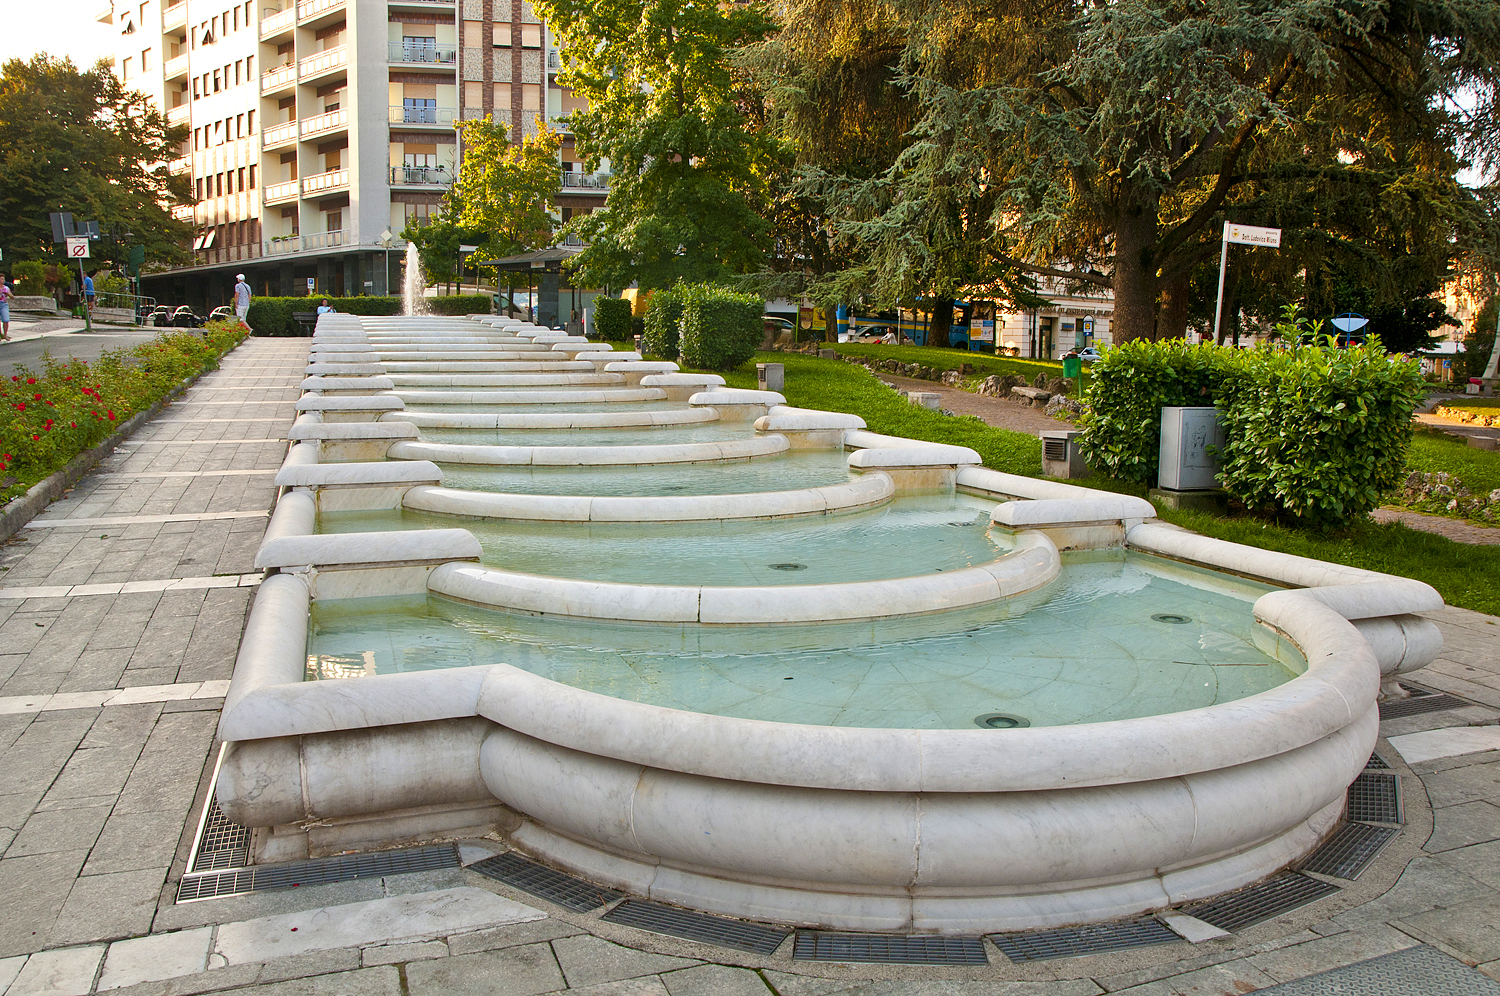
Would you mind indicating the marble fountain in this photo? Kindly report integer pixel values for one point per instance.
(705, 647)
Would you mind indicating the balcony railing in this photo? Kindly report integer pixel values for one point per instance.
(283, 245)
(285, 191)
(228, 254)
(179, 114)
(424, 115)
(323, 240)
(421, 174)
(554, 59)
(331, 180)
(275, 22)
(407, 52)
(323, 62)
(312, 8)
(328, 121)
(175, 67)
(180, 165)
(183, 212)
(279, 134)
(585, 181)
(278, 78)
(174, 16)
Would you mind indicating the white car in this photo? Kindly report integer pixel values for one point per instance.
(1088, 354)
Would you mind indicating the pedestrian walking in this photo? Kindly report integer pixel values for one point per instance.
(241, 297)
(88, 290)
(5, 296)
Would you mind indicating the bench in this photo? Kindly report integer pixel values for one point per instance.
(306, 321)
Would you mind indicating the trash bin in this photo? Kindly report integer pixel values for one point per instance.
(1072, 367)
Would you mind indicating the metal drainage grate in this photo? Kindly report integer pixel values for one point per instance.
(1001, 721)
(1350, 851)
(1171, 618)
(1376, 763)
(1070, 942)
(564, 890)
(1419, 704)
(318, 871)
(1261, 901)
(695, 926)
(222, 844)
(1375, 797)
(788, 567)
(817, 945)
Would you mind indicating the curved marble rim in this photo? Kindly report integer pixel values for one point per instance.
(544, 378)
(620, 395)
(560, 420)
(862, 492)
(1033, 563)
(593, 456)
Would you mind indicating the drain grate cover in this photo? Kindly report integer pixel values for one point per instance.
(1418, 704)
(1375, 797)
(223, 844)
(1376, 762)
(788, 567)
(695, 926)
(1171, 618)
(817, 945)
(1350, 851)
(319, 871)
(1070, 942)
(1416, 971)
(564, 890)
(1262, 901)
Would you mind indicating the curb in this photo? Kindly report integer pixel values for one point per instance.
(20, 511)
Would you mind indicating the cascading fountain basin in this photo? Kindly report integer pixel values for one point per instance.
(968, 702)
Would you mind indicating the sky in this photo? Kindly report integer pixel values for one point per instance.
(58, 27)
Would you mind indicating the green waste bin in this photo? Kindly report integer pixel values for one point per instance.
(1072, 367)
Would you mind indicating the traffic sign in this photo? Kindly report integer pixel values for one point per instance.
(1253, 235)
(78, 248)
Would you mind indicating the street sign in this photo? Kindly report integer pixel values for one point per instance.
(311, 283)
(1253, 235)
(78, 248)
(468, 248)
(1349, 322)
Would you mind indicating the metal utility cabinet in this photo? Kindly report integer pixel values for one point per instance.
(1186, 436)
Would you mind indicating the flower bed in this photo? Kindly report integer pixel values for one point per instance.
(47, 417)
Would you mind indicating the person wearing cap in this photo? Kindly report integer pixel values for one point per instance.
(241, 297)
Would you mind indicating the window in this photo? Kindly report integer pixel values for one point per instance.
(502, 96)
(419, 48)
(236, 19)
(252, 176)
(216, 81)
(502, 36)
(249, 67)
(531, 97)
(531, 36)
(419, 214)
(335, 221)
(236, 72)
(197, 138)
(218, 184)
(195, 88)
(239, 126)
(250, 123)
(242, 179)
(145, 60)
(199, 184)
(127, 67)
(213, 25)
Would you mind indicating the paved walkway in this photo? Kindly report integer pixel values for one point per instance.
(120, 612)
(1003, 413)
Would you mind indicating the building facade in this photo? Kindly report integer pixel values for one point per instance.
(321, 128)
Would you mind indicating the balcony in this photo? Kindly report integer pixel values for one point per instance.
(183, 212)
(228, 254)
(334, 179)
(554, 60)
(593, 182)
(281, 245)
(277, 79)
(323, 64)
(280, 134)
(180, 165)
(179, 115)
(313, 9)
(174, 17)
(325, 124)
(421, 176)
(277, 193)
(277, 22)
(175, 69)
(323, 240)
(406, 52)
(440, 116)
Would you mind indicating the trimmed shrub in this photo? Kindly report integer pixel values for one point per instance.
(1129, 386)
(272, 316)
(1316, 432)
(458, 304)
(720, 328)
(663, 318)
(1312, 432)
(612, 319)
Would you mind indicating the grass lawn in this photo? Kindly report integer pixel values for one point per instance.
(1434, 451)
(1465, 575)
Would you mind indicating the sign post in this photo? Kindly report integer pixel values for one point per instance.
(1250, 235)
(78, 248)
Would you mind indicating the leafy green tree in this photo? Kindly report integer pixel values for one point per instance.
(1110, 142)
(78, 141)
(686, 161)
(507, 190)
(438, 243)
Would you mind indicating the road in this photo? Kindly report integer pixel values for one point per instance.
(63, 338)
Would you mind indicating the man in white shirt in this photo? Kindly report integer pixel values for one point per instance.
(241, 297)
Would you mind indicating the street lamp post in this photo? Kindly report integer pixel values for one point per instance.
(385, 241)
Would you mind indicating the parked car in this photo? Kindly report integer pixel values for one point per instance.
(223, 313)
(185, 318)
(777, 326)
(1088, 354)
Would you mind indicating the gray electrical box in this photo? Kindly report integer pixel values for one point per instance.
(1060, 456)
(1186, 435)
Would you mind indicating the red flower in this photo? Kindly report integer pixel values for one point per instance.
(31, 380)
(20, 406)
(35, 436)
(111, 416)
(72, 425)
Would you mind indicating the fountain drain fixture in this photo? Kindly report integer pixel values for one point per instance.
(788, 567)
(1172, 618)
(1000, 721)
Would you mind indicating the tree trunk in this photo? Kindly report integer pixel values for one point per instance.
(1172, 321)
(1135, 270)
(942, 321)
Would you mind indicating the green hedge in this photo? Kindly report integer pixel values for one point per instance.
(612, 319)
(273, 315)
(663, 318)
(720, 328)
(459, 304)
(1312, 432)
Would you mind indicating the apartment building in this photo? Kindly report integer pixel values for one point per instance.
(321, 128)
